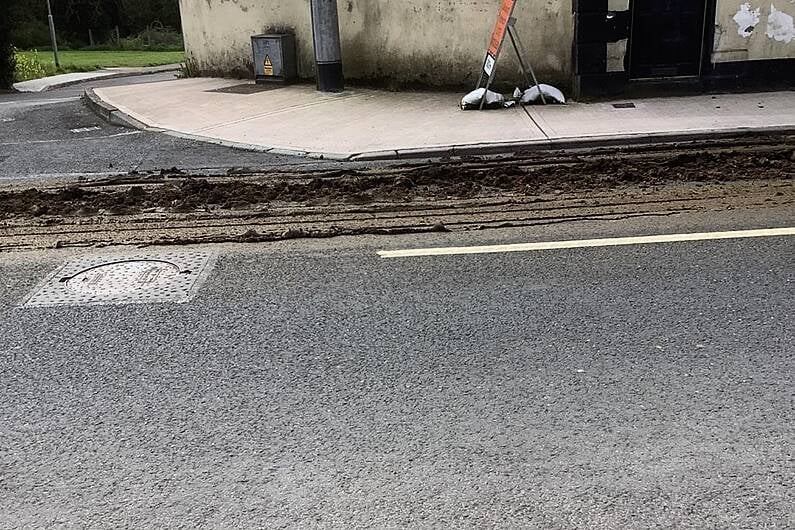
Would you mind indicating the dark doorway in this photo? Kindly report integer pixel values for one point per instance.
(667, 38)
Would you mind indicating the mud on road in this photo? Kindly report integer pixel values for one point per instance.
(526, 176)
(174, 207)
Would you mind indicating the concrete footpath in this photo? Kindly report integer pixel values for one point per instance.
(58, 81)
(363, 124)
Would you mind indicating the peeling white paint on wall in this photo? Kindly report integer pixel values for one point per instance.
(747, 19)
(780, 26)
(757, 30)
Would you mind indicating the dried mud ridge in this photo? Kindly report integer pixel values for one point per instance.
(523, 176)
(173, 208)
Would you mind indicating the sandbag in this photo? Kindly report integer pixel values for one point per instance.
(472, 100)
(533, 95)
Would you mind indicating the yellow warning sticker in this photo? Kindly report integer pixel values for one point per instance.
(268, 70)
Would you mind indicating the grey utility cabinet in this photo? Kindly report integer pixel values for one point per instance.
(274, 58)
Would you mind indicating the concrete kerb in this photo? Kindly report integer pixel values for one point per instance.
(667, 137)
(253, 147)
(214, 141)
(113, 115)
(589, 142)
(104, 110)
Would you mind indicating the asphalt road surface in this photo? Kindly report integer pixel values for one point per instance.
(317, 384)
(53, 134)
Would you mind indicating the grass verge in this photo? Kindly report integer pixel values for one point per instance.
(32, 64)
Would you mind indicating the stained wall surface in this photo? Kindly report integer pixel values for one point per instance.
(754, 30)
(433, 42)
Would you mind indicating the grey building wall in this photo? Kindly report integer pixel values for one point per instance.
(432, 42)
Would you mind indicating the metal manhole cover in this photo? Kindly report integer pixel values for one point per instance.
(247, 89)
(124, 277)
(132, 279)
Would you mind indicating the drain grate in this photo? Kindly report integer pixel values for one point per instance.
(125, 279)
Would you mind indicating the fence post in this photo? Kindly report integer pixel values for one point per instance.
(53, 39)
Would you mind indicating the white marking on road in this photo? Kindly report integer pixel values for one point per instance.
(588, 243)
(129, 133)
(85, 129)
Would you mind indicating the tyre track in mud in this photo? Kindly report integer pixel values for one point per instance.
(171, 207)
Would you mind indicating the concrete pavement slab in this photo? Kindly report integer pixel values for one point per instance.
(703, 113)
(366, 124)
(298, 118)
(368, 121)
(157, 104)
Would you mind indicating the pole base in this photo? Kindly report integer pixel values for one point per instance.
(329, 77)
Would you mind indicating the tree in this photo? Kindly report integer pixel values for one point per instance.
(73, 19)
(27, 23)
(7, 62)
